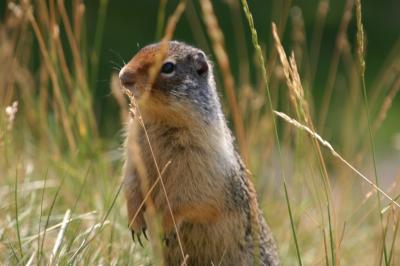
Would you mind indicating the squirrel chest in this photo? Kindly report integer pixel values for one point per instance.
(208, 199)
(196, 167)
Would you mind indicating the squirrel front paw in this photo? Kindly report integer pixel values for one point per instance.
(136, 223)
(138, 235)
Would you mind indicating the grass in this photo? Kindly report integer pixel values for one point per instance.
(361, 55)
(292, 224)
(315, 166)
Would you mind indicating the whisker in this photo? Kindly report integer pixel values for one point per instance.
(118, 55)
(116, 68)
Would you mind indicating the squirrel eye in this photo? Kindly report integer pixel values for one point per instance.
(168, 68)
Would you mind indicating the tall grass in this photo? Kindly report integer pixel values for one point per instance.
(59, 179)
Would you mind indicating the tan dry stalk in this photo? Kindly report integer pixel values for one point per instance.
(298, 36)
(385, 107)
(318, 31)
(387, 74)
(280, 11)
(387, 103)
(43, 12)
(296, 93)
(15, 45)
(83, 86)
(327, 145)
(60, 237)
(43, 102)
(147, 198)
(74, 46)
(63, 62)
(32, 238)
(135, 111)
(56, 87)
(135, 150)
(240, 41)
(360, 37)
(199, 34)
(341, 40)
(361, 60)
(79, 10)
(52, 14)
(216, 35)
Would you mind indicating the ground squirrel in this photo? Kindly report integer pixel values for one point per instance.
(206, 182)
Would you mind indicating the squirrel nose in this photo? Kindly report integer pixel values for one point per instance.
(127, 78)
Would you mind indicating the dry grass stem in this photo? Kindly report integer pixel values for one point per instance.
(57, 90)
(135, 111)
(60, 236)
(146, 197)
(137, 115)
(300, 105)
(333, 151)
(88, 215)
(340, 44)
(322, 11)
(387, 103)
(217, 37)
(292, 76)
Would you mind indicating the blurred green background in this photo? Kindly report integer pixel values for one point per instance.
(131, 25)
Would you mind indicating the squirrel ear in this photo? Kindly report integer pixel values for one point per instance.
(200, 63)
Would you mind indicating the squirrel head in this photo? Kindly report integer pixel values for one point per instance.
(172, 81)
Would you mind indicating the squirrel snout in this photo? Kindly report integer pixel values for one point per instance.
(127, 78)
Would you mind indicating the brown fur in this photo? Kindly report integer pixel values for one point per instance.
(206, 183)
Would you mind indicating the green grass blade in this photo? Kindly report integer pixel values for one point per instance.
(361, 55)
(395, 234)
(292, 224)
(50, 211)
(160, 19)
(260, 57)
(16, 213)
(331, 236)
(83, 185)
(39, 251)
(14, 253)
(86, 241)
(325, 248)
(102, 15)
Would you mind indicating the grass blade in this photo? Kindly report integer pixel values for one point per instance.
(16, 212)
(60, 237)
(40, 219)
(161, 19)
(292, 224)
(86, 242)
(50, 212)
(327, 145)
(331, 236)
(361, 54)
(95, 62)
(395, 235)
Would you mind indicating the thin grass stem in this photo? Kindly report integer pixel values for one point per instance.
(292, 224)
